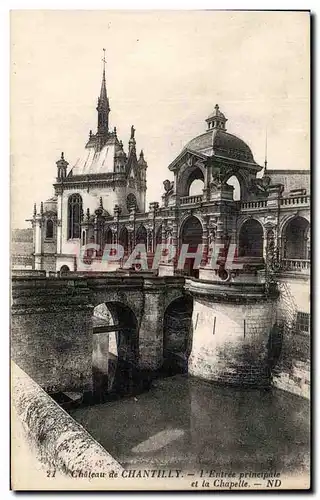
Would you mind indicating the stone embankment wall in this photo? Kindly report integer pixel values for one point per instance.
(292, 372)
(230, 342)
(60, 444)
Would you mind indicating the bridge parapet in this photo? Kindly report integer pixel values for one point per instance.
(52, 321)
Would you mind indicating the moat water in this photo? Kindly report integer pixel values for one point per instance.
(186, 423)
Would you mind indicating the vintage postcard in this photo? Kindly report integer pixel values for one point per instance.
(160, 250)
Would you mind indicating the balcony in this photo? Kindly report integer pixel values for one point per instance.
(253, 205)
(191, 200)
(296, 265)
(284, 202)
(295, 200)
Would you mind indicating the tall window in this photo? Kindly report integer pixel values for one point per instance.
(303, 322)
(74, 216)
(49, 229)
(131, 202)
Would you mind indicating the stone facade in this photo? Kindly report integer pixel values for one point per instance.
(263, 214)
(51, 333)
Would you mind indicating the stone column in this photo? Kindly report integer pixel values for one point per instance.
(151, 328)
(205, 243)
(59, 224)
(38, 222)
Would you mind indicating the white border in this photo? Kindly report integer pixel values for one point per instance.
(5, 6)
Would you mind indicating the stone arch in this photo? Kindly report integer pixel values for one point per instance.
(250, 238)
(107, 237)
(124, 238)
(141, 235)
(235, 183)
(158, 237)
(49, 229)
(190, 233)
(177, 335)
(188, 176)
(132, 300)
(64, 270)
(115, 349)
(295, 238)
(241, 178)
(287, 218)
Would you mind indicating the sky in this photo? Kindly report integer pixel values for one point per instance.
(165, 72)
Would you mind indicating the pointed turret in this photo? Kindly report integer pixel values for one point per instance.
(62, 165)
(103, 107)
(142, 162)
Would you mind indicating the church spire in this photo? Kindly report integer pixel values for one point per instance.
(103, 104)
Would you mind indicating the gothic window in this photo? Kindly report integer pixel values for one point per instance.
(74, 216)
(49, 229)
(131, 201)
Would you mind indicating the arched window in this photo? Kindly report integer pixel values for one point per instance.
(191, 234)
(141, 235)
(74, 215)
(251, 239)
(49, 229)
(124, 238)
(131, 202)
(195, 183)
(295, 239)
(64, 270)
(233, 181)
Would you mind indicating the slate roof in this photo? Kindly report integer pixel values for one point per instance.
(221, 143)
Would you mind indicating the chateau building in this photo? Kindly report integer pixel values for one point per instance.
(102, 198)
(236, 323)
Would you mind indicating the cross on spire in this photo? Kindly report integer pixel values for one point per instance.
(104, 59)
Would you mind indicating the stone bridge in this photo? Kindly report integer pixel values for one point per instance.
(214, 330)
(52, 323)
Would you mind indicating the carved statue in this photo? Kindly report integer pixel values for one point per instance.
(168, 187)
(212, 236)
(132, 132)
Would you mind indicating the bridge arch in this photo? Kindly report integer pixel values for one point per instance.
(177, 335)
(115, 355)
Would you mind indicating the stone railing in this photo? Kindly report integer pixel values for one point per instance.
(252, 205)
(261, 204)
(297, 265)
(188, 200)
(295, 200)
(52, 437)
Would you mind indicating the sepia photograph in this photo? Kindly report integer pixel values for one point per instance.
(160, 251)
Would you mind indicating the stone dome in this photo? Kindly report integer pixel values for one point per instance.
(216, 141)
(221, 143)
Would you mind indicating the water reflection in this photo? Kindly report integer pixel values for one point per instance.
(203, 425)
